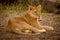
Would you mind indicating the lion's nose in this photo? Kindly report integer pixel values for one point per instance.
(39, 18)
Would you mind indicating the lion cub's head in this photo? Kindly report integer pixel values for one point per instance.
(34, 11)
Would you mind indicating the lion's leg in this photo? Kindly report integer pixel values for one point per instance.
(48, 27)
(34, 29)
(37, 25)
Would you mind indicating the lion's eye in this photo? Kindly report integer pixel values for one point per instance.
(30, 8)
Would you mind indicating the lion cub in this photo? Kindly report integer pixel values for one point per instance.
(28, 22)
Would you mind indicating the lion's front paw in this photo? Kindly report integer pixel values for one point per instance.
(48, 28)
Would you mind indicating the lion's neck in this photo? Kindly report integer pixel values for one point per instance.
(28, 18)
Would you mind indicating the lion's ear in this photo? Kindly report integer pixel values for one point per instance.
(30, 7)
(39, 7)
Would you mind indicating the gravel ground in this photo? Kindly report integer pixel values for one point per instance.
(49, 19)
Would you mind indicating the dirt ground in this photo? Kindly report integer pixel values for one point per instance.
(48, 19)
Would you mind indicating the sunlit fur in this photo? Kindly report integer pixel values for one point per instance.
(28, 22)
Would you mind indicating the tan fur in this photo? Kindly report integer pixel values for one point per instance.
(28, 22)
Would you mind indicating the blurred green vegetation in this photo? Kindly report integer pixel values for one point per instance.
(15, 8)
(12, 8)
